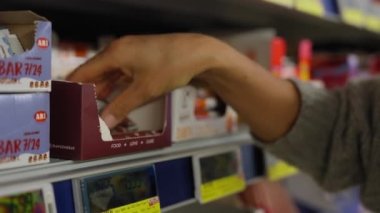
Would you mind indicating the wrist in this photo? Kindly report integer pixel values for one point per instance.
(219, 64)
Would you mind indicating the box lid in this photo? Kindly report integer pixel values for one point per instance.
(19, 17)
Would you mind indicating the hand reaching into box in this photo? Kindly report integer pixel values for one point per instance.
(150, 65)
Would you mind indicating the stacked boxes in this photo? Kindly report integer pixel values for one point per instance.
(25, 83)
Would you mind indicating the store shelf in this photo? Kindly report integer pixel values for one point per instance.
(179, 205)
(90, 17)
(59, 170)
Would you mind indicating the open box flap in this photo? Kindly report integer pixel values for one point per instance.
(75, 130)
(21, 23)
(19, 17)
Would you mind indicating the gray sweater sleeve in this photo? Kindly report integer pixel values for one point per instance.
(336, 138)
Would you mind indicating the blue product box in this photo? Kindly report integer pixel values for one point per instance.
(331, 7)
(24, 129)
(64, 199)
(30, 70)
(253, 162)
(175, 181)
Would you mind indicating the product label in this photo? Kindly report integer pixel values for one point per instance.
(287, 3)
(222, 187)
(373, 23)
(313, 7)
(281, 170)
(151, 205)
(16, 146)
(353, 16)
(16, 69)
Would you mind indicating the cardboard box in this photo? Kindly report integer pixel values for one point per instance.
(31, 70)
(187, 126)
(24, 129)
(75, 132)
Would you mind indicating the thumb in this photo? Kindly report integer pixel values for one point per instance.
(119, 108)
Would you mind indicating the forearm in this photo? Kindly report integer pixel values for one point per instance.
(269, 105)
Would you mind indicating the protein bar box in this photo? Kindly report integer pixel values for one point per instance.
(24, 129)
(25, 52)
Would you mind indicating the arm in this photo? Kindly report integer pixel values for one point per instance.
(155, 65)
(334, 136)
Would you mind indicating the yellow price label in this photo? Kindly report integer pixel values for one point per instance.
(313, 7)
(217, 189)
(353, 16)
(281, 170)
(287, 3)
(372, 23)
(150, 205)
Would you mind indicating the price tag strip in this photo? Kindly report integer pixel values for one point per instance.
(286, 3)
(218, 174)
(352, 12)
(313, 7)
(353, 16)
(278, 169)
(125, 191)
(372, 16)
(373, 23)
(150, 205)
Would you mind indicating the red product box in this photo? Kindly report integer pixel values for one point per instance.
(75, 129)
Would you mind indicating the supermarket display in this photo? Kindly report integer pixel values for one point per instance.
(28, 198)
(65, 124)
(132, 190)
(25, 52)
(25, 68)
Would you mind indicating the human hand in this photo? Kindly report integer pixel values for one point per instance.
(150, 66)
(267, 196)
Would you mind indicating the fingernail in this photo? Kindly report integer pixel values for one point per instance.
(110, 120)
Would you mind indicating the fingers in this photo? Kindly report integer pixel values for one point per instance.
(105, 87)
(247, 197)
(94, 68)
(119, 108)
